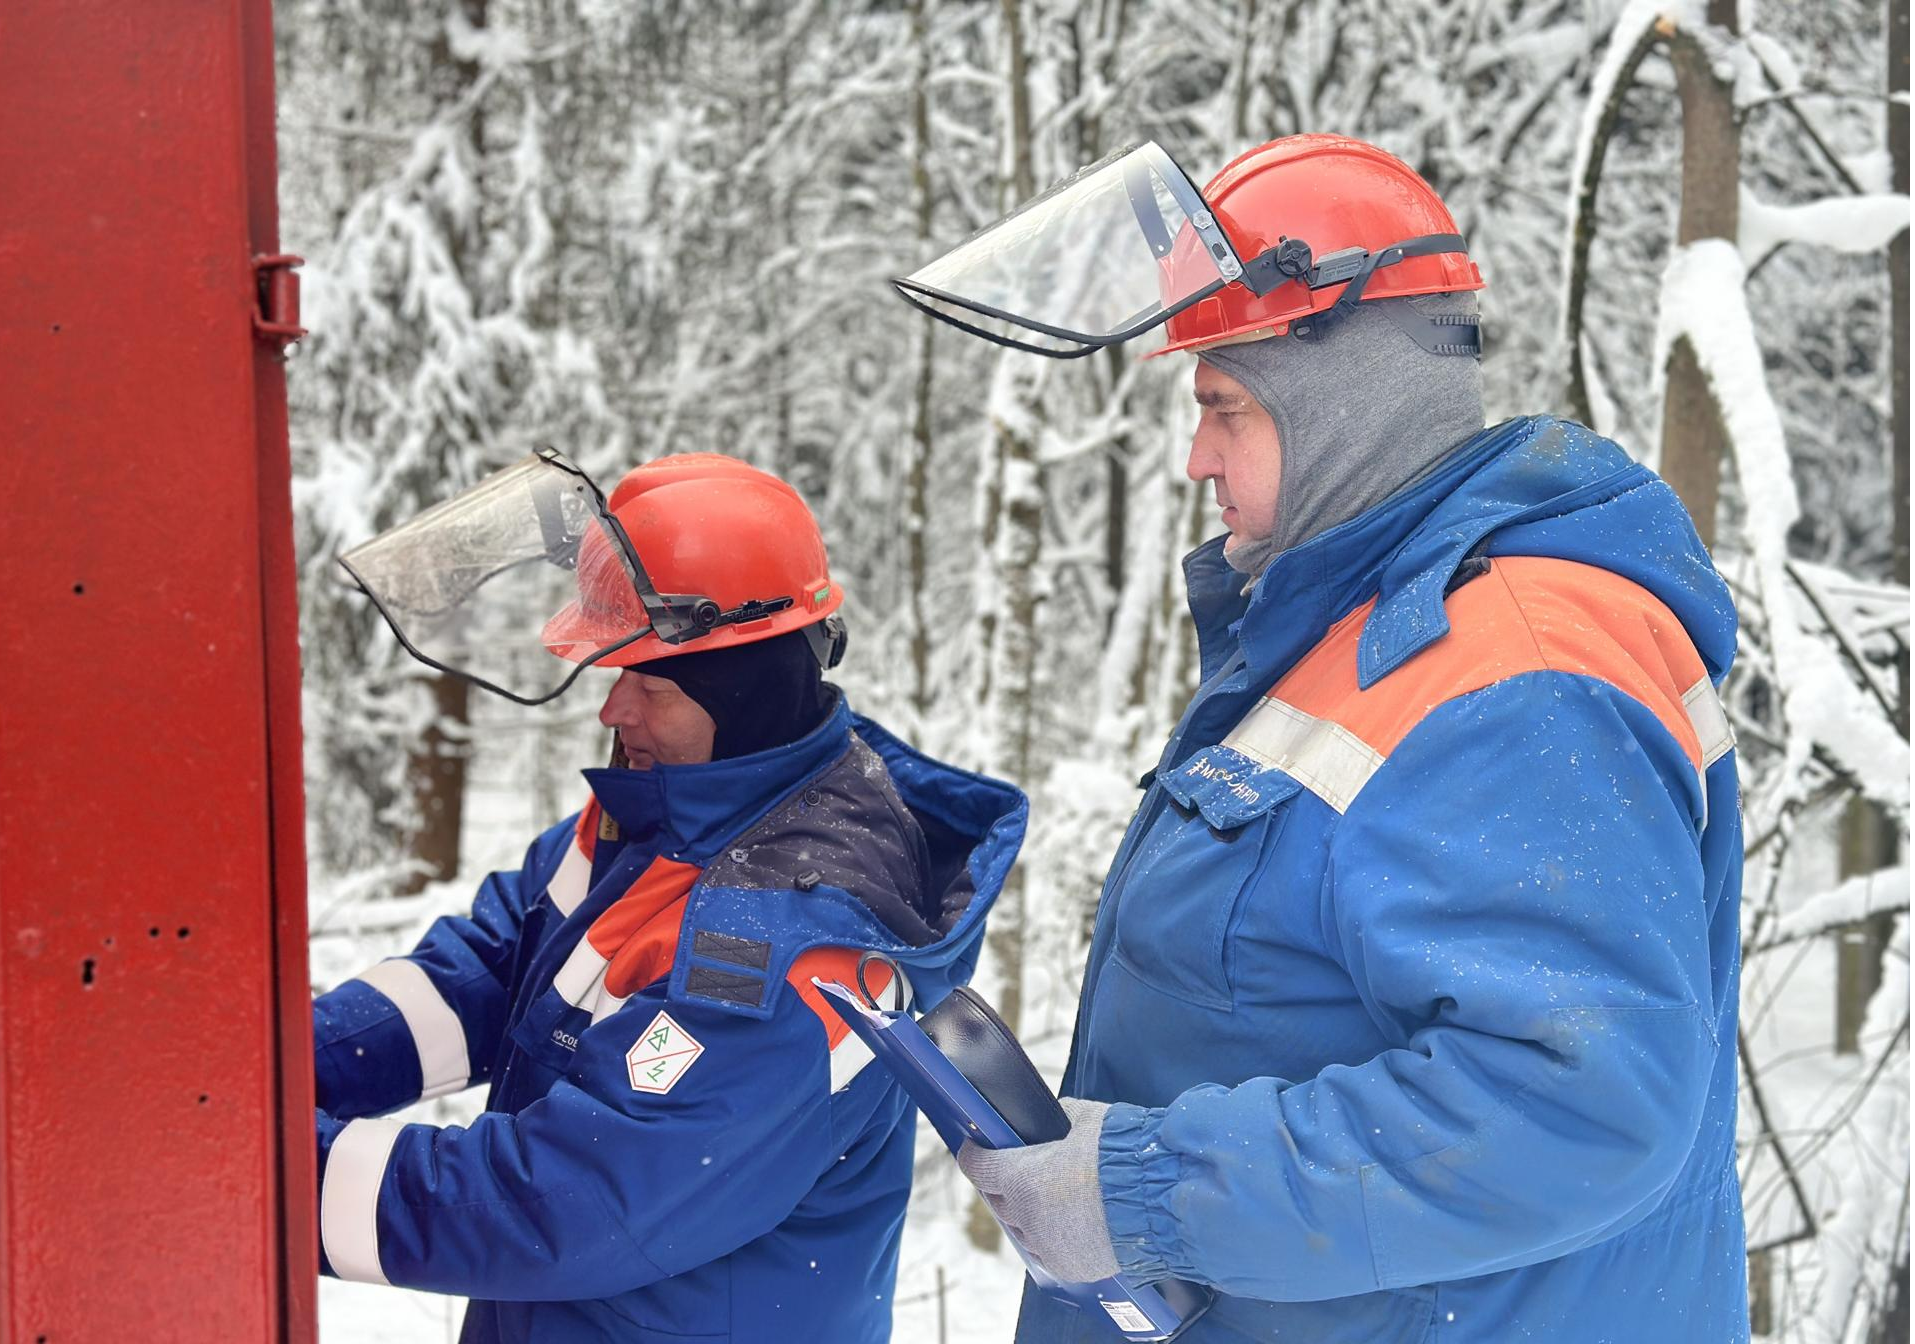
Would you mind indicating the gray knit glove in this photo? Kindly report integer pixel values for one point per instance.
(1047, 1196)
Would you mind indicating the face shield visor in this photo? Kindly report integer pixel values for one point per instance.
(1103, 256)
(1127, 244)
(528, 563)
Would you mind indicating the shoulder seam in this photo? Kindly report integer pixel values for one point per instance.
(1523, 616)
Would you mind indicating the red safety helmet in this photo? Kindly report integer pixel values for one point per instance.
(1318, 204)
(1285, 240)
(692, 552)
(732, 555)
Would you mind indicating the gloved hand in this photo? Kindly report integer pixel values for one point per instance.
(1048, 1197)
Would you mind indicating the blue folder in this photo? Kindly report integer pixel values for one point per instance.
(1136, 1311)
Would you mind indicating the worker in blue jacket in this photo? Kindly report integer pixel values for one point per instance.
(681, 1139)
(1410, 1011)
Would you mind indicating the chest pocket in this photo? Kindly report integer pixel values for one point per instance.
(1187, 881)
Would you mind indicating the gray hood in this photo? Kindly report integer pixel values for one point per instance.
(1359, 415)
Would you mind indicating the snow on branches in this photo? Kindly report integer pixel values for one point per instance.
(1822, 706)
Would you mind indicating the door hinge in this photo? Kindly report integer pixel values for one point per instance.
(276, 284)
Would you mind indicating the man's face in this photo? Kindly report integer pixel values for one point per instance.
(1236, 448)
(657, 723)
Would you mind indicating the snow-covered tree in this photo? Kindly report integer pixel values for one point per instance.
(634, 227)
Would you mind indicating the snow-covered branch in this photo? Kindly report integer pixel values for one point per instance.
(1850, 903)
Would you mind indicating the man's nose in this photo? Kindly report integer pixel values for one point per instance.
(619, 702)
(1203, 462)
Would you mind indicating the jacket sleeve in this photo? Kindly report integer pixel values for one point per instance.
(429, 1023)
(1518, 896)
(680, 1133)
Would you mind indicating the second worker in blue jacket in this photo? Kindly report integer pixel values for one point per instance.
(681, 1141)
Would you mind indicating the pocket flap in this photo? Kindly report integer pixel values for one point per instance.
(1227, 787)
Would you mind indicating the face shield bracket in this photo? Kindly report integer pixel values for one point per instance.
(1318, 325)
(689, 616)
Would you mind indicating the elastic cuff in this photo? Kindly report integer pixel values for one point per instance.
(1137, 1174)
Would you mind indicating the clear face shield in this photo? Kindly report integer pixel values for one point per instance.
(1103, 256)
(528, 563)
(1125, 245)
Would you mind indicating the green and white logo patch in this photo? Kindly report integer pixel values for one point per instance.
(661, 1055)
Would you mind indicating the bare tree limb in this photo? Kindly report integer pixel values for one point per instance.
(1752, 1079)
(1583, 232)
(1883, 696)
(1813, 136)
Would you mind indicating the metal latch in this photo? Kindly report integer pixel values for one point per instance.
(276, 315)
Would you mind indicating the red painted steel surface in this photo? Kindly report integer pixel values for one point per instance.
(155, 1157)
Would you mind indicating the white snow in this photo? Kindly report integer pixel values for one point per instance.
(1849, 903)
(1703, 301)
(1778, 59)
(1636, 18)
(763, 169)
(1855, 224)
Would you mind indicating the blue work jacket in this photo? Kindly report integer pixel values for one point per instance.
(681, 1141)
(1414, 980)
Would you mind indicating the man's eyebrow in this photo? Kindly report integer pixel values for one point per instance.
(1218, 400)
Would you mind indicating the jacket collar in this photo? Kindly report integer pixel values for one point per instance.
(690, 811)
(1405, 551)
(1308, 588)
(1537, 467)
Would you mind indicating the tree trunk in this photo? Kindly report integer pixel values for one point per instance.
(1894, 1323)
(1898, 318)
(1116, 506)
(1015, 541)
(1761, 1293)
(435, 770)
(1869, 842)
(918, 470)
(1107, 42)
(1694, 443)
(436, 766)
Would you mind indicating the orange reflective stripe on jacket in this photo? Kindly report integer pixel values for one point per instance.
(1527, 614)
(635, 942)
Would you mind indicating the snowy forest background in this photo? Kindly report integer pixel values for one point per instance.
(634, 227)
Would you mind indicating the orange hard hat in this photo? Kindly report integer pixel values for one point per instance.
(1287, 239)
(725, 554)
(1322, 197)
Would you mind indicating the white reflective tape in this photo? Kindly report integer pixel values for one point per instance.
(608, 1003)
(580, 977)
(349, 1198)
(437, 1033)
(1325, 757)
(573, 879)
(848, 1060)
(1713, 731)
(851, 1054)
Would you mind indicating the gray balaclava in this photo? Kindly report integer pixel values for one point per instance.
(1360, 414)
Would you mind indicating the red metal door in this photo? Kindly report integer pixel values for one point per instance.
(156, 1142)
